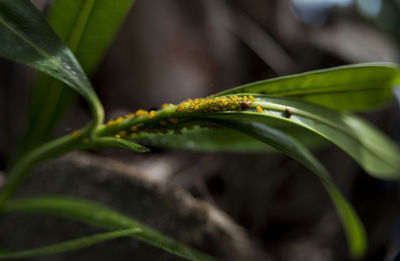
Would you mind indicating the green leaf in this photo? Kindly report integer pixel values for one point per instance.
(87, 27)
(101, 216)
(221, 140)
(70, 245)
(120, 143)
(353, 87)
(27, 38)
(373, 150)
(352, 225)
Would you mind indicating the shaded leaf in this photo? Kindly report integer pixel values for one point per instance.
(101, 216)
(353, 87)
(221, 140)
(352, 225)
(70, 245)
(373, 150)
(88, 27)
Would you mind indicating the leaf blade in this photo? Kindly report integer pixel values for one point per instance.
(28, 39)
(353, 87)
(69, 245)
(120, 143)
(353, 227)
(373, 150)
(101, 216)
(221, 140)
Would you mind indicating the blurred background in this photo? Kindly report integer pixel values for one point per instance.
(171, 50)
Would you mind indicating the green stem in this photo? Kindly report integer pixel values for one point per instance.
(97, 110)
(48, 150)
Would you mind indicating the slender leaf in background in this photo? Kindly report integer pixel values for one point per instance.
(352, 225)
(27, 38)
(87, 27)
(354, 87)
(373, 150)
(70, 245)
(100, 216)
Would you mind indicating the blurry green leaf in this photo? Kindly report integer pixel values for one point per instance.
(70, 245)
(120, 143)
(353, 87)
(218, 140)
(87, 27)
(101, 216)
(373, 150)
(353, 227)
(27, 38)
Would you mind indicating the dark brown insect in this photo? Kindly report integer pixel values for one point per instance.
(288, 113)
(244, 105)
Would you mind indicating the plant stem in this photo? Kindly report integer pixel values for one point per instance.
(97, 110)
(48, 150)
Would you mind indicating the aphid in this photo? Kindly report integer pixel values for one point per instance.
(259, 109)
(173, 120)
(163, 123)
(75, 134)
(288, 113)
(166, 105)
(129, 116)
(140, 112)
(110, 123)
(151, 114)
(119, 119)
(121, 134)
(177, 132)
(180, 107)
(244, 105)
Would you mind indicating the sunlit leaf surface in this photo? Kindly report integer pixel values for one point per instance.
(353, 87)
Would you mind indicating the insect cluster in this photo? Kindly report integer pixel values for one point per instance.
(215, 104)
(161, 122)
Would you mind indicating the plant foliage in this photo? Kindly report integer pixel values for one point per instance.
(289, 114)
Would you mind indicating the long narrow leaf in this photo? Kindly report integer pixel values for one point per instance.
(121, 143)
(222, 140)
(88, 27)
(354, 87)
(351, 223)
(27, 38)
(101, 216)
(70, 245)
(373, 150)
